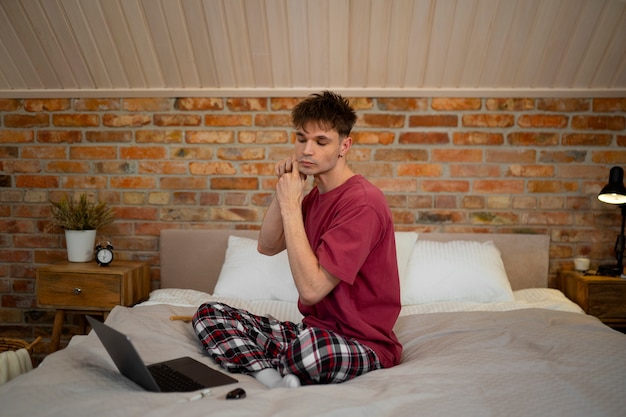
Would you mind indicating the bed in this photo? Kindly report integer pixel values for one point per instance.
(482, 336)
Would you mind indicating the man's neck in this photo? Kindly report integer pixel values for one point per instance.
(330, 180)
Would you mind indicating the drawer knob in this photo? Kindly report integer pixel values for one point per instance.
(77, 291)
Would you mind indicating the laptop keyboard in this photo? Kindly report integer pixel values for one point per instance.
(170, 380)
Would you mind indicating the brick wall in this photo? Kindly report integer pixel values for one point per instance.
(481, 165)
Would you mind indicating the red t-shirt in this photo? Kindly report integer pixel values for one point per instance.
(351, 231)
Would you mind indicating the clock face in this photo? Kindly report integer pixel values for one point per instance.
(105, 256)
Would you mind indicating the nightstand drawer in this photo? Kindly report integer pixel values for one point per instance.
(79, 290)
(607, 301)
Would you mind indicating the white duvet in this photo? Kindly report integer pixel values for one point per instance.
(537, 355)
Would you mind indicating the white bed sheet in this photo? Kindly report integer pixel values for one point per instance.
(528, 298)
(519, 361)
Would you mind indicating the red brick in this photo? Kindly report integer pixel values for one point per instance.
(22, 166)
(247, 104)
(109, 136)
(44, 152)
(37, 181)
(272, 120)
(228, 120)
(498, 186)
(419, 170)
(599, 122)
(424, 138)
(559, 218)
(372, 137)
(38, 105)
(582, 139)
(402, 104)
(233, 183)
(259, 168)
(192, 153)
(16, 136)
(457, 155)
(74, 167)
(384, 120)
(184, 183)
(8, 105)
(284, 103)
(447, 186)
(401, 155)
(59, 136)
(146, 104)
(159, 136)
(162, 167)
(474, 170)
(143, 152)
(209, 136)
(533, 139)
(24, 121)
(211, 168)
(241, 154)
(133, 182)
(609, 157)
(199, 103)
(84, 182)
(542, 120)
(125, 120)
(136, 213)
(477, 138)
(609, 104)
(550, 186)
(517, 170)
(569, 105)
(434, 121)
(177, 120)
(93, 152)
(488, 120)
(76, 120)
(562, 156)
(443, 103)
(97, 104)
(510, 104)
(262, 136)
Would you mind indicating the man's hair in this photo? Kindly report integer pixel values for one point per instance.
(328, 109)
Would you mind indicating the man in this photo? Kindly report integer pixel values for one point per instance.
(340, 244)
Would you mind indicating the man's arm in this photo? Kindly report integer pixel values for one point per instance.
(272, 237)
(312, 280)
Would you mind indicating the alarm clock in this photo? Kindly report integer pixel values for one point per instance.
(104, 254)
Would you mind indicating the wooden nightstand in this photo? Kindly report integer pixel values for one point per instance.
(600, 296)
(87, 288)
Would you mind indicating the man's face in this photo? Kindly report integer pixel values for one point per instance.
(317, 149)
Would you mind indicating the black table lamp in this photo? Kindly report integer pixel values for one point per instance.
(615, 193)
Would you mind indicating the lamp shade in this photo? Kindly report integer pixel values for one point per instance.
(614, 192)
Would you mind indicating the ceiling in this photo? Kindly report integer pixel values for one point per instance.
(117, 48)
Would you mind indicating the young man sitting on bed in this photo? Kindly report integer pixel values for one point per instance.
(341, 249)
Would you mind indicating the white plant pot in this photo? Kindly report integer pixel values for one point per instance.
(80, 245)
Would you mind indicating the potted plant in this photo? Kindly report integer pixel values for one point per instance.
(80, 219)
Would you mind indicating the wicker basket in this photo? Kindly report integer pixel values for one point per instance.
(8, 344)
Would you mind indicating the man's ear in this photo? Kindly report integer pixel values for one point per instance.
(346, 144)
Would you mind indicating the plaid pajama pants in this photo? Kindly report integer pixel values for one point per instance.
(245, 343)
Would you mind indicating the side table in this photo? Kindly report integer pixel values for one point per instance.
(87, 288)
(601, 296)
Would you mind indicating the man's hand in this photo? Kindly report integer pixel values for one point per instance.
(290, 186)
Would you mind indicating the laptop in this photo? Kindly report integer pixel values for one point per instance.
(177, 375)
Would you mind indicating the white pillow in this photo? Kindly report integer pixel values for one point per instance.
(250, 275)
(405, 242)
(455, 271)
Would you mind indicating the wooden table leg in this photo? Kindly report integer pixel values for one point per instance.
(57, 329)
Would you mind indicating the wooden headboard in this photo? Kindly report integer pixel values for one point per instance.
(193, 258)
